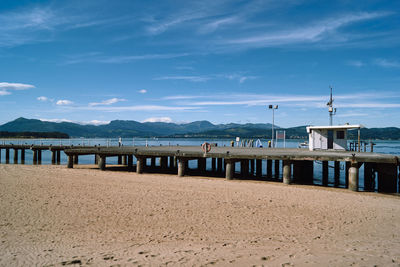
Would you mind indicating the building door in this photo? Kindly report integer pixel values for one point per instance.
(330, 139)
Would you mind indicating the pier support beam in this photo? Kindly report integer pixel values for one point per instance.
(252, 167)
(53, 157)
(153, 162)
(96, 159)
(229, 169)
(337, 174)
(164, 163)
(7, 156)
(102, 162)
(140, 161)
(22, 156)
(39, 156)
(387, 177)
(213, 164)
(70, 163)
(219, 165)
(124, 159)
(181, 166)
(35, 154)
(244, 168)
(0, 155)
(325, 173)
(119, 160)
(308, 172)
(286, 171)
(201, 165)
(277, 169)
(348, 164)
(269, 169)
(369, 177)
(353, 176)
(258, 168)
(171, 162)
(130, 162)
(15, 156)
(76, 159)
(58, 157)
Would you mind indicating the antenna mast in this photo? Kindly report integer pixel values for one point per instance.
(332, 110)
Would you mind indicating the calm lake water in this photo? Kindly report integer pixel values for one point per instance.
(387, 147)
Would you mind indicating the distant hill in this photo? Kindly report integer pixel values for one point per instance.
(122, 128)
(200, 129)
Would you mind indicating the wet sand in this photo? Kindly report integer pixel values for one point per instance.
(51, 215)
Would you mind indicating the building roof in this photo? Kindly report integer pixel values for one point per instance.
(335, 127)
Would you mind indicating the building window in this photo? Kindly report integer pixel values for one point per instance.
(340, 135)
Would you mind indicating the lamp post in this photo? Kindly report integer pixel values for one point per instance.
(273, 107)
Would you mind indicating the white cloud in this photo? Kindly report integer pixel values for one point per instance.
(64, 102)
(92, 122)
(6, 87)
(185, 78)
(143, 91)
(387, 63)
(355, 63)
(141, 108)
(158, 119)
(42, 98)
(107, 102)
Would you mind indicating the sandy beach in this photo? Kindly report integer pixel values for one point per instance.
(54, 216)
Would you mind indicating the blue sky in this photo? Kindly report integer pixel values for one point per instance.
(182, 61)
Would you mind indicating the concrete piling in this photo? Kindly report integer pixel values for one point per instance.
(181, 166)
(124, 159)
(15, 156)
(0, 156)
(140, 161)
(353, 177)
(286, 171)
(70, 162)
(119, 160)
(102, 162)
(153, 162)
(76, 159)
(229, 169)
(96, 158)
(171, 162)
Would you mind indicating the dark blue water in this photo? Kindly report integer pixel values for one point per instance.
(386, 147)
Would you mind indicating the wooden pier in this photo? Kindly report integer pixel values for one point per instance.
(296, 165)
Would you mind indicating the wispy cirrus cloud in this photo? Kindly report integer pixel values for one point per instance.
(91, 122)
(148, 108)
(6, 88)
(185, 78)
(386, 63)
(96, 57)
(314, 32)
(107, 102)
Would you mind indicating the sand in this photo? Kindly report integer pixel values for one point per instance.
(54, 216)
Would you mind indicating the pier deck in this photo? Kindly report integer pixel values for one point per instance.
(295, 165)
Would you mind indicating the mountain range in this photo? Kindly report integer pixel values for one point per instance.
(200, 129)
